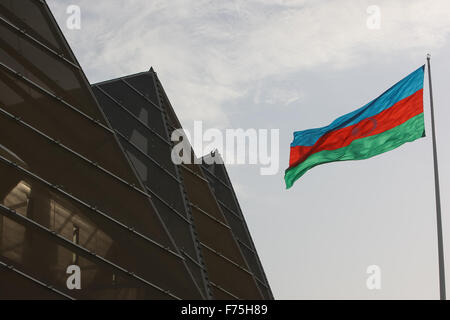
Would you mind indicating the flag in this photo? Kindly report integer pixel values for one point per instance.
(386, 123)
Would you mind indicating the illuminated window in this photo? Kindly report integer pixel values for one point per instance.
(76, 240)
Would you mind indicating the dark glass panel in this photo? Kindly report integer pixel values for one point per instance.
(198, 274)
(217, 236)
(252, 261)
(136, 132)
(179, 228)
(236, 225)
(17, 287)
(59, 122)
(30, 16)
(59, 213)
(159, 181)
(46, 70)
(231, 278)
(138, 106)
(220, 294)
(144, 84)
(200, 194)
(267, 293)
(218, 170)
(225, 195)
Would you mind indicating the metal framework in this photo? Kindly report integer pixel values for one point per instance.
(95, 161)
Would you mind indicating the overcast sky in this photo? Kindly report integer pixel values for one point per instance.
(295, 65)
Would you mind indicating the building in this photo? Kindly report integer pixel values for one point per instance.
(87, 180)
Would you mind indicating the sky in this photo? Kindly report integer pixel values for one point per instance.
(293, 65)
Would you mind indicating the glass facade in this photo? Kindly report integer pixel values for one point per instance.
(227, 200)
(232, 264)
(87, 180)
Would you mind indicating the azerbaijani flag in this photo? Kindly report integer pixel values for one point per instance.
(389, 121)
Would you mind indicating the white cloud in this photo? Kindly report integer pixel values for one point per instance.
(281, 95)
(209, 53)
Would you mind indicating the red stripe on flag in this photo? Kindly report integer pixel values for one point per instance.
(399, 113)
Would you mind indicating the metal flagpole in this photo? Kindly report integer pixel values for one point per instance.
(437, 192)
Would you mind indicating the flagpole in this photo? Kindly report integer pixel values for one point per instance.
(437, 192)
